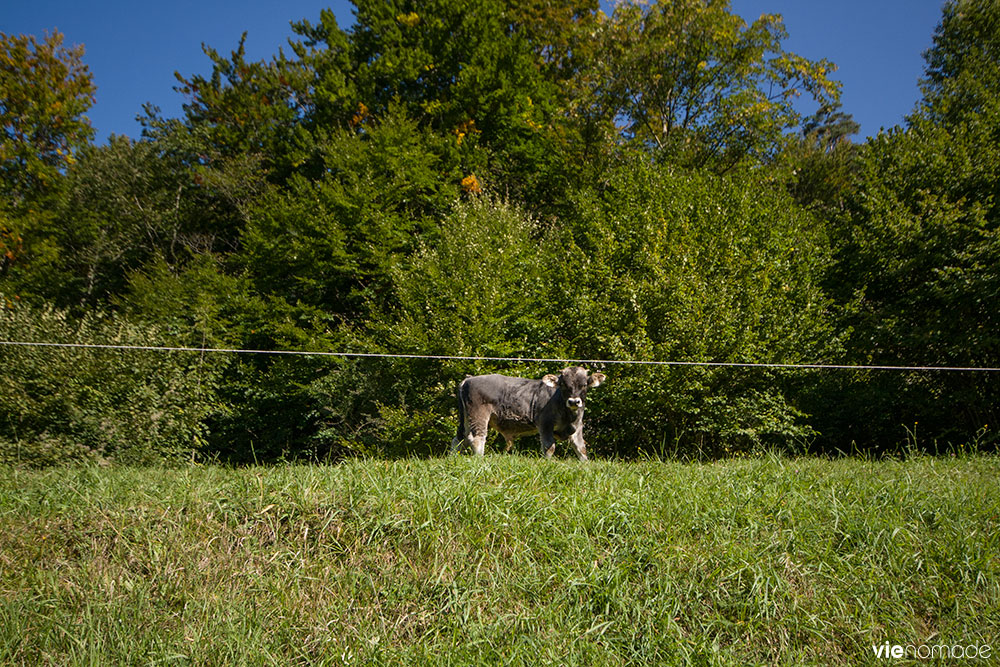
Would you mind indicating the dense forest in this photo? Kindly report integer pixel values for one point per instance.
(536, 178)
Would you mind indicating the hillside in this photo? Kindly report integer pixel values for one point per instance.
(506, 559)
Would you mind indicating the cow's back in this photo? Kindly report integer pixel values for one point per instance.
(509, 398)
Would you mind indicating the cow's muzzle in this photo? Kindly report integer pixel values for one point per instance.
(574, 403)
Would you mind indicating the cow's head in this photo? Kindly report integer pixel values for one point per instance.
(573, 382)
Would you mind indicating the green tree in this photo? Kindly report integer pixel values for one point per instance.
(960, 80)
(60, 405)
(688, 266)
(829, 127)
(264, 408)
(823, 161)
(243, 109)
(560, 33)
(127, 203)
(45, 89)
(124, 205)
(485, 74)
(692, 82)
(331, 241)
(918, 256)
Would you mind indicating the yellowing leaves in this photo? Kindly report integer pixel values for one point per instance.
(679, 74)
(467, 127)
(471, 184)
(360, 116)
(46, 85)
(410, 20)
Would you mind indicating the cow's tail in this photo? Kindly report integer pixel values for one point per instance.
(462, 394)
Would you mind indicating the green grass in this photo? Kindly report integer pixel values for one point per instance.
(504, 560)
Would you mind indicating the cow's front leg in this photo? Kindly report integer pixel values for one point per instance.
(548, 442)
(579, 444)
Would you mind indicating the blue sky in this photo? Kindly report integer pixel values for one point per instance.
(134, 48)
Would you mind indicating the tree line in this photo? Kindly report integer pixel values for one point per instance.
(488, 178)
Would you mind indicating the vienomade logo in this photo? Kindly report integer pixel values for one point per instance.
(933, 651)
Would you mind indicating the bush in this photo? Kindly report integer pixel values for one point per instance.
(61, 405)
(657, 265)
(267, 410)
(679, 266)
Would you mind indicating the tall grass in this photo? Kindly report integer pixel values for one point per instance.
(501, 560)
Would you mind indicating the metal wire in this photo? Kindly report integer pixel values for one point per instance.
(446, 357)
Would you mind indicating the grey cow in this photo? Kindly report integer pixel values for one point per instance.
(551, 407)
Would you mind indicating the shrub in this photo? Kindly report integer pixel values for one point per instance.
(679, 266)
(656, 265)
(59, 405)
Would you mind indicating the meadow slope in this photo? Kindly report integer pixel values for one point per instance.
(504, 560)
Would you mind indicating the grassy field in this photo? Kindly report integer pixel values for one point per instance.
(505, 560)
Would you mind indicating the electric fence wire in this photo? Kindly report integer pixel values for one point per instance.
(448, 357)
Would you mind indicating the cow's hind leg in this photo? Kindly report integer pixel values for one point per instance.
(479, 424)
(462, 433)
(478, 443)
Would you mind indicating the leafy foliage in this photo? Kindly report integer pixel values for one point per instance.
(917, 260)
(683, 266)
(692, 80)
(44, 91)
(63, 404)
(528, 179)
(823, 161)
(327, 241)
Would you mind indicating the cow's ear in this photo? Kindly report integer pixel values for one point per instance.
(551, 380)
(596, 379)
